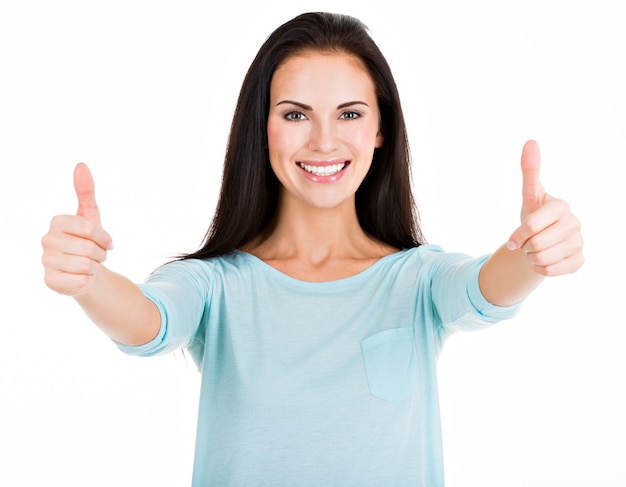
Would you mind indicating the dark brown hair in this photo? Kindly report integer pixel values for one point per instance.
(249, 192)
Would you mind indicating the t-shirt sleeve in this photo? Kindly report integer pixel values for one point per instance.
(180, 291)
(457, 299)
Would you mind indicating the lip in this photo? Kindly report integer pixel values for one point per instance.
(323, 179)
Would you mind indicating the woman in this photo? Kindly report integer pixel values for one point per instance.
(314, 309)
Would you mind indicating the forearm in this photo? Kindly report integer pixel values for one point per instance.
(507, 277)
(120, 309)
(548, 241)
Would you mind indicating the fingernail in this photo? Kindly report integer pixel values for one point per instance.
(511, 245)
(110, 246)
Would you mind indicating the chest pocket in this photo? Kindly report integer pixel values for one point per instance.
(391, 364)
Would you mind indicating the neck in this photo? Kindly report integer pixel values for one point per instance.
(318, 244)
(316, 234)
(319, 231)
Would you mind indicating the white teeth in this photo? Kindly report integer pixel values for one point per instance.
(323, 170)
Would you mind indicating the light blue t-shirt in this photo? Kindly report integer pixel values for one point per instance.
(318, 384)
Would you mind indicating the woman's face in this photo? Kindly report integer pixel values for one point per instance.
(323, 127)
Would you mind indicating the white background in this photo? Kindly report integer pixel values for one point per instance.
(144, 92)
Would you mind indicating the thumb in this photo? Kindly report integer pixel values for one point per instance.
(87, 206)
(533, 194)
(86, 193)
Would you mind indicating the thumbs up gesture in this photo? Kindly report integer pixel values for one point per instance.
(549, 233)
(76, 245)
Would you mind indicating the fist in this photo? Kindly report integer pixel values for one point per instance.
(549, 233)
(76, 245)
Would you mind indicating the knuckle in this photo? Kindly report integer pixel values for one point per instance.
(545, 270)
(537, 243)
(532, 224)
(50, 242)
(84, 266)
(540, 259)
(48, 281)
(578, 262)
(45, 240)
(52, 280)
(46, 260)
(93, 251)
(532, 244)
(580, 240)
(55, 221)
(87, 227)
(553, 271)
(80, 284)
(82, 281)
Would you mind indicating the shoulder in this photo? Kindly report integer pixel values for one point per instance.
(207, 268)
(186, 271)
(433, 262)
(409, 264)
(420, 255)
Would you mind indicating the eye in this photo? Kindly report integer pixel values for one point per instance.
(294, 116)
(351, 115)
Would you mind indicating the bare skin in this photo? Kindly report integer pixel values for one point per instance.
(323, 117)
(320, 247)
(74, 251)
(547, 243)
(323, 110)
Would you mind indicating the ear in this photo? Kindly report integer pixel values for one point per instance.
(380, 138)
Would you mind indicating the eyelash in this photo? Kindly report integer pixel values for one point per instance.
(353, 115)
(291, 115)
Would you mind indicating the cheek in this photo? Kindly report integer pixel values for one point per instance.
(278, 139)
(279, 146)
(366, 138)
(272, 136)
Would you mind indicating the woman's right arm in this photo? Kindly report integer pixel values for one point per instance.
(74, 250)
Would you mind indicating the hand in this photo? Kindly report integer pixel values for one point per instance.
(76, 245)
(549, 233)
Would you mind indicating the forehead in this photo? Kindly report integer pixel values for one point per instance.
(317, 73)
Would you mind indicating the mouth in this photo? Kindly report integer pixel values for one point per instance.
(324, 170)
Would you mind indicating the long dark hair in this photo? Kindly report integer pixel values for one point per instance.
(249, 194)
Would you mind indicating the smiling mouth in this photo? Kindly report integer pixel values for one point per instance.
(323, 171)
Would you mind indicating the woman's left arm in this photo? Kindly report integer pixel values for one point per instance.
(547, 243)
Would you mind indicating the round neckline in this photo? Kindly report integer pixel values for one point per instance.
(344, 280)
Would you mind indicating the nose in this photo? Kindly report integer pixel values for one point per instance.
(323, 137)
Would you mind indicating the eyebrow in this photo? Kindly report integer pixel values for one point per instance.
(310, 108)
